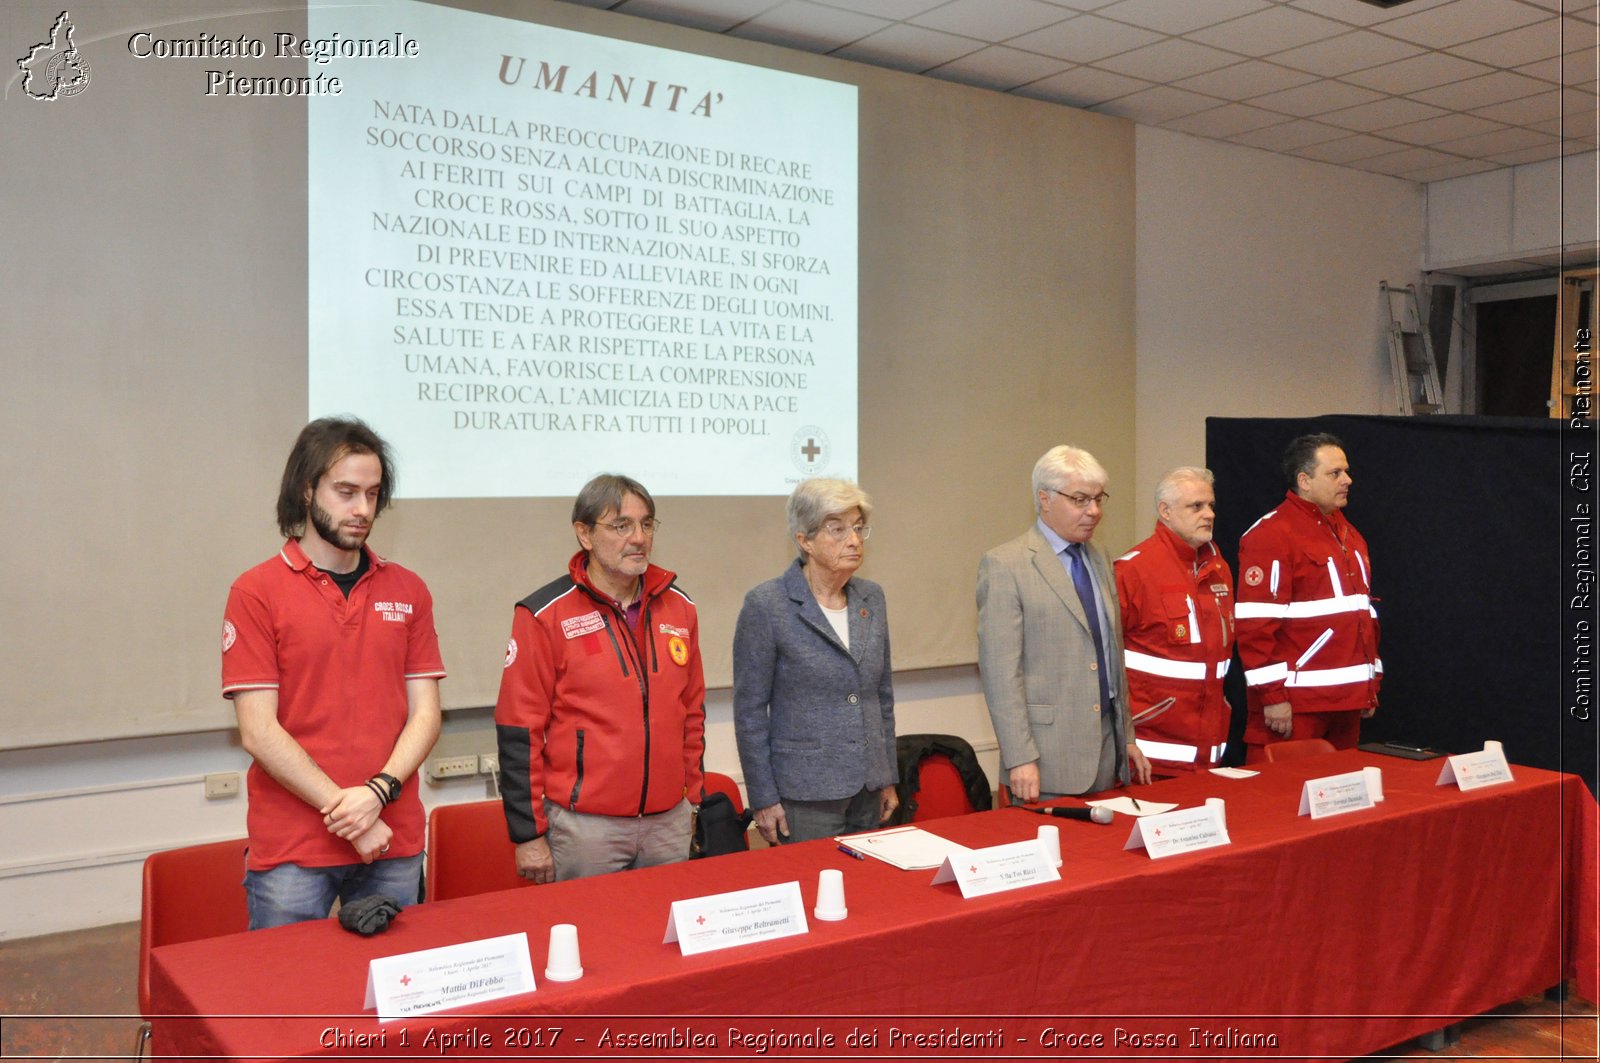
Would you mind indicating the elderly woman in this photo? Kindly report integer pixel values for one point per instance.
(813, 705)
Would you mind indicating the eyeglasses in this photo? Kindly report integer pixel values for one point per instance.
(843, 531)
(1085, 501)
(625, 528)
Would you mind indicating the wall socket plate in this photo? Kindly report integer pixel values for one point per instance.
(451, 767)
(222, 784)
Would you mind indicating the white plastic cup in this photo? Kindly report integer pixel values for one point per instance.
(830, 895)
(1050, 838)
(1374, 781)
(564, 964)
(1219, 809)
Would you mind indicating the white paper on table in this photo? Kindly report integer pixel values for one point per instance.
(908, 848)
(1470, 771)
(1126, 806)
(723, 920)
(415, 983)
(1234, 773)
(1334, 795)
(997, 868)
(1179, 832)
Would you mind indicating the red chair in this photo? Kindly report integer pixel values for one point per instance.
(469, 851)
(1296, 748)
(942, 791)
(939, 776)
(189, 894)
(718, 783)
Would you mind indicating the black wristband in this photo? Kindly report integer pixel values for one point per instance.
(391, 783)
(377, 788)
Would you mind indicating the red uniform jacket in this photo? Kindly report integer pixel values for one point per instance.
(1177, 624)
(1308, 625)
(592, 717)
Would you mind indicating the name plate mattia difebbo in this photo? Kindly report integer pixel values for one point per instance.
(415, 983)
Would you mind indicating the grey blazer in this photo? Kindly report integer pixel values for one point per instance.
(814, 721)
(1037, 662)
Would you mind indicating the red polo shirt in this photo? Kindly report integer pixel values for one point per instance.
(340, 668)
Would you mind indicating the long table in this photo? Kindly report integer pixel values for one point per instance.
(1331, 937)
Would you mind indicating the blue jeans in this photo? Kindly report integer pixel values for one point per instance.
(290, 893)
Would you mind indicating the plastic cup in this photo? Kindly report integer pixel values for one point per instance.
(830, 895)
(564, 964)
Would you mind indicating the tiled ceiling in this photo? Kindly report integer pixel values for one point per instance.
(1426, 90)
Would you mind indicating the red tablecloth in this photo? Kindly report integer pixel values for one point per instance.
(1334, 937)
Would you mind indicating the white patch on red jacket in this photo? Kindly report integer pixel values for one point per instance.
(575, 626)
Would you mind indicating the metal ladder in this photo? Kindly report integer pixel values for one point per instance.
(1416, 374)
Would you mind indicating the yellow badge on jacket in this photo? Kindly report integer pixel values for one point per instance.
(679, 649)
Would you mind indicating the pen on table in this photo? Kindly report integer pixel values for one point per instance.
(1136, 803)
(846, 850)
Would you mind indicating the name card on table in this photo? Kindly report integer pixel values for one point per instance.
(1334, 795)
(723, 920)
(1471, 771)
(998, 868)
(1184, 831)
(415, 983)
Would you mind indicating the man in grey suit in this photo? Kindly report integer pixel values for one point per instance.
(1050, 643)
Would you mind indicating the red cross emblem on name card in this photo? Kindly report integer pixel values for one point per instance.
(1157, 832)
(405, 979)
(700, 919)
(1321, 794)
(972, 869)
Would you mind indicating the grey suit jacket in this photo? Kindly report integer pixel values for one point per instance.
(814, 721)
(1037, 661)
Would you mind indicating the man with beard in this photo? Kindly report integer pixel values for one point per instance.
(331, 660)
(601, 714)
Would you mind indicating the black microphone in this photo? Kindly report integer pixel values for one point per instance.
(1092, 815)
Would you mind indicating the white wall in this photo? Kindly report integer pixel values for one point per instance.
(1258, 291)
(1513, 214)
(1257, 296)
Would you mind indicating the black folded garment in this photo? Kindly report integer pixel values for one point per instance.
(369, 915)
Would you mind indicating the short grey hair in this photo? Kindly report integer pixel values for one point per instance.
(1060, 464)
(1167, 488)
(817, 499)
(604, 492)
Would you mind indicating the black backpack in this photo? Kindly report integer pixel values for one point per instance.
(719, 830)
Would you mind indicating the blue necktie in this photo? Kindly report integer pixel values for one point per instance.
(1091, 609)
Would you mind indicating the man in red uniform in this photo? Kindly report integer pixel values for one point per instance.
(1308, 630)
(601, 714)
(330, 657)
(1177, 622)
